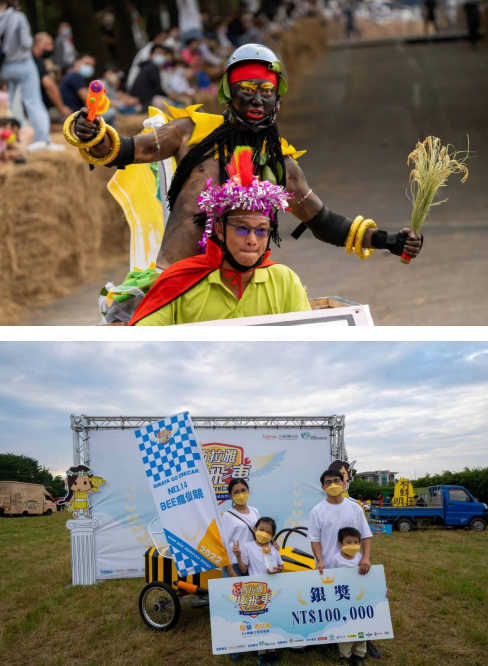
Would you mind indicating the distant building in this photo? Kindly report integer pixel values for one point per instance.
(381, 477)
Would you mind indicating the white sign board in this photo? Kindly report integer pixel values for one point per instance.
(297, 609)
(357, 315)
(283, 467)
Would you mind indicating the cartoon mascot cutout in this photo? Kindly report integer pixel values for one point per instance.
(346, 469)
(80, 484)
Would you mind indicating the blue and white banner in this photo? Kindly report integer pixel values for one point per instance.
(282, 466)
(184, 496)
(298, 609)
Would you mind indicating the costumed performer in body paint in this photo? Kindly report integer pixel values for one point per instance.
(201, 143)
(235, 277)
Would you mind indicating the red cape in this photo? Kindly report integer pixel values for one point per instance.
(181, 277)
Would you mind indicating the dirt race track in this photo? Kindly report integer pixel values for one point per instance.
(359, 114)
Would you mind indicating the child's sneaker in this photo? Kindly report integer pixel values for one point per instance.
(346, 661)
(357, 661)
(373, 650)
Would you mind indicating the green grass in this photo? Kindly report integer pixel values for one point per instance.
(438, 578)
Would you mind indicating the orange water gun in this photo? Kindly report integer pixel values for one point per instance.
(96, 100)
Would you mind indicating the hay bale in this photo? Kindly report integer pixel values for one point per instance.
(298, 48)
(56, 220)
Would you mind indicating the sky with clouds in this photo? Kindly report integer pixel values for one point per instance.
(410, 407)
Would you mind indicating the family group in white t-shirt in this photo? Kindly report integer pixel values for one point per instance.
(337, 530)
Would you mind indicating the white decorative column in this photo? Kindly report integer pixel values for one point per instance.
(82, 550)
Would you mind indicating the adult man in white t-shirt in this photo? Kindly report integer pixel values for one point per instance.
(328, 517)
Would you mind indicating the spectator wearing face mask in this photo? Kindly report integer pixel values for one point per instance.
(179, 87)
(148, 82)
(143, 56)
(64, 49)
(119, 100)
(74, 85)
(19, 70)
(42, 50)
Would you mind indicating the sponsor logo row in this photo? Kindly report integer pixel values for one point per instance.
(332, 637)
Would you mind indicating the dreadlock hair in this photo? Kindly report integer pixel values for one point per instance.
(222, 140)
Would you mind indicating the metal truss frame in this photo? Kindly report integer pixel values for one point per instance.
(82, 426)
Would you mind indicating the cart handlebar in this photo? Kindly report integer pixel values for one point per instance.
(289, 530)
(188, 587)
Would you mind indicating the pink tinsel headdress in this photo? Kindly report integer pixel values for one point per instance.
(243, 191)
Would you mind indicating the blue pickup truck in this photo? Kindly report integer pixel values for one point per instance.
(444, 505)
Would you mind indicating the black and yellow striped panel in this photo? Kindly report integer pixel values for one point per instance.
(163, 569)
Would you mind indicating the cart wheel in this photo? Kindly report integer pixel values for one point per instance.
(159, 606)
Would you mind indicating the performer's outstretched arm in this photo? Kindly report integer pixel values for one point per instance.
(333, 228)
(171, 137)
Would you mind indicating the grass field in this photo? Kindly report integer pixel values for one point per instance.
(438, 578)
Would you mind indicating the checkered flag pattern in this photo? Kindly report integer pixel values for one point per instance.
(162, 460)
(184, 565)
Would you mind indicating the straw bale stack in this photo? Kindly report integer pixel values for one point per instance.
(57, 220)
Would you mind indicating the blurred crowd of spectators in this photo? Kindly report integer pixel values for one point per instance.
(44, 78)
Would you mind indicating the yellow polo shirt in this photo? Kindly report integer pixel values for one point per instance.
(272, 290)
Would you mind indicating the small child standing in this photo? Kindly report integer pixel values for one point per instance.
(352, 654)
(260, 557)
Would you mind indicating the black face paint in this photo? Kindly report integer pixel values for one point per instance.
(246, 101)
(255, 96)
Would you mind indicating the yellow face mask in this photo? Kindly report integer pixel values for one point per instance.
(240, 498)
(262, 537)
(334, 490)
(350, 550)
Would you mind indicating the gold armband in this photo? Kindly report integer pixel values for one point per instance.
(74, 141)
(358, 243)
(101, 161)
(352, 234)
(354, 241)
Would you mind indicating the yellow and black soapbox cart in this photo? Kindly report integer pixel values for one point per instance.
(159, 601)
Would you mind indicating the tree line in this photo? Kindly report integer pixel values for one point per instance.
(28, 470)
(474, 479)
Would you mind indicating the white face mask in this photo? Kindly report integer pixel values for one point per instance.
(66, 32)
(113, 79)
(159, 60)
(87, 71)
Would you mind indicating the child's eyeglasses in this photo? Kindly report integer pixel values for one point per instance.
(243, 230)
(329, 483)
